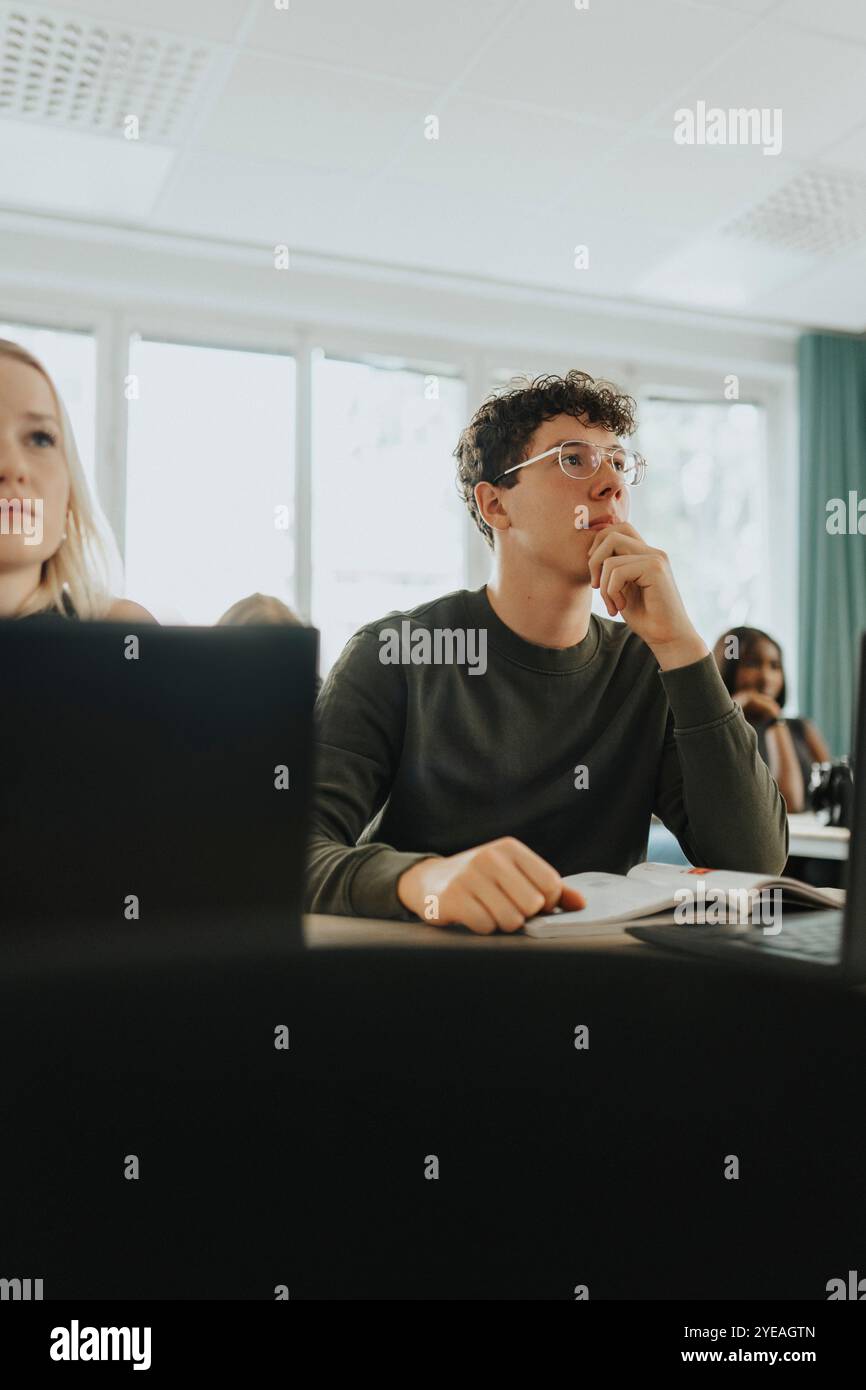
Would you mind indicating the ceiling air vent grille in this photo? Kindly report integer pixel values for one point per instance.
(89, 75)
(820, 211)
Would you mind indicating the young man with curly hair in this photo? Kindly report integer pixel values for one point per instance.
(475, 750)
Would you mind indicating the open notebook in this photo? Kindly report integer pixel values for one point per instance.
(652, 894)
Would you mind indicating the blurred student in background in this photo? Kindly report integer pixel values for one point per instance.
(258, 608)
(52, 556)
(261, 608)
(756, 681)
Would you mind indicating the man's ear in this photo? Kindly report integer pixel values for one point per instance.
(490, 503)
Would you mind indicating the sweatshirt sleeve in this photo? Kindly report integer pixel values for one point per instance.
(359, 718)
(714, 791)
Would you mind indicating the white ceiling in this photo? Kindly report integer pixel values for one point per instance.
(305, 126)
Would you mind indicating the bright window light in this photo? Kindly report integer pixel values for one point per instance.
(210, 483)
(388, 525)
(704, 502)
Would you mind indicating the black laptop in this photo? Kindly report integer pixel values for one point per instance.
(154, 774)
(826, 944)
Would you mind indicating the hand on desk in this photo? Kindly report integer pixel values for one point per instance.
(499, 884)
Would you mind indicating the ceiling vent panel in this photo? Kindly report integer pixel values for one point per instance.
(818, 212)
(92, 75)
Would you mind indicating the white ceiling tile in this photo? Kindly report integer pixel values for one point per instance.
(720, 272)
(482, 145)
(752, 7)
(412, 224)
(832, 295)
(546, 251)
(420, 41)
(275, 109)
(817, 83)
(690, 187)
(306, 209)
(847, 18)
(851, 152)
(501, 238)
(616, 59)
(93, 176)
(207, 19)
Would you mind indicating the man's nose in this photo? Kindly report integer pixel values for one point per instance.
(607, 480)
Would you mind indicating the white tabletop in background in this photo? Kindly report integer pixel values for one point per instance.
(813, 840)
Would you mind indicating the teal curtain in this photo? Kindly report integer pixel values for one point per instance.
(832, 581)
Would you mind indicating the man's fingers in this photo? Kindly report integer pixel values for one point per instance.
(523, 893)
(613, 541)
(476, 916)
(538, 871)
(618, 571)
(571, 900)
(505, 914)
(604, 580)
(506, 884)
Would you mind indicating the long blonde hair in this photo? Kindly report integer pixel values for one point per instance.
(80, 567)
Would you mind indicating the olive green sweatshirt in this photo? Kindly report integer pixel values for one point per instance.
(441, 728)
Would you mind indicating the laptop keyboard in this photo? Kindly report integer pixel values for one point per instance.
(808, 939)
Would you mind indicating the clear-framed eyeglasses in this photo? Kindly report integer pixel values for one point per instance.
(578, 458)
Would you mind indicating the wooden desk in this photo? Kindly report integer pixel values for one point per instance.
(321, 930)
(808, 837)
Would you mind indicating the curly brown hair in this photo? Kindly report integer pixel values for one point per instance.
(499, 431)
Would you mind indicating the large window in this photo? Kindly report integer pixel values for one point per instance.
(70, 359)
(210, 480)
(389, 529)
(704, 501)
(211, 487)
